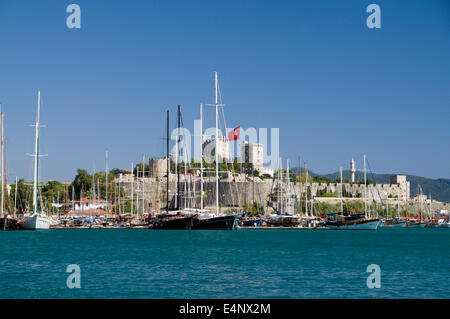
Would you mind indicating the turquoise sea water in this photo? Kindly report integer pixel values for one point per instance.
(142, 263)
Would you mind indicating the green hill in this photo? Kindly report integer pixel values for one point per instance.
(438, 188)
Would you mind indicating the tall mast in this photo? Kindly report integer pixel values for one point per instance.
(176, 157)
(132, 194)
(365, 188)
(306, 189)
(93, 191)
(281, 185)
(143, 184)
(36, 156)
(420, 202)
(342, 208)
(168, 163)
(431, 215)
(73, 200)
(201, 157)
(301, 184)
(278, 186)
(15, 199)
(3, 163)
(288, 188)
(216, 84)
(185, 174)
(106, 178)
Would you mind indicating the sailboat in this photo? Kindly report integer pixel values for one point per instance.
(172, 219)
(345, 220)
(420, 222)
(36, 220)
(396, 222)
(214, 221)
(284, 217)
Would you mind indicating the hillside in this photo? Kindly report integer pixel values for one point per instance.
(438, 188)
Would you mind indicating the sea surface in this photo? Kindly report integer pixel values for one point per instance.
(268, 263)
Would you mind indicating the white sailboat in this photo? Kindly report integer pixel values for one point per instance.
(36, 220)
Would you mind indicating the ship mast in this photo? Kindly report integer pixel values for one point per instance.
(177, 157)
(217, 140)
(106, 181)
(143, 185)
(365, 188)
(342, 205)
(36, 156)
(201, 157)
(132, 194)
(288, 188)
(3, 164)
(168, 163)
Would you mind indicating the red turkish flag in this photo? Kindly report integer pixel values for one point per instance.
(234, 134)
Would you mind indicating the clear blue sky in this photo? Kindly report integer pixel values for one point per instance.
(312, 68)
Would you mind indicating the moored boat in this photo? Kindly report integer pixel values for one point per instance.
(416, 224)
(214, 222)
(395, 223)
(349, 221)
(177, 220)
(35, 220)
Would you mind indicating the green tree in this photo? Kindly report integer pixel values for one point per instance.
(138, 170)
(82, 180)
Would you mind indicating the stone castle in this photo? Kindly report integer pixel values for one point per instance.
(235, 190)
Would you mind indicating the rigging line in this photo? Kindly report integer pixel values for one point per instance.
(376, 187)
(232, 162)
(373, 199)
(296, 198)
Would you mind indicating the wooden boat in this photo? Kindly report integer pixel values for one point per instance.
(351, 222)
(394, 223)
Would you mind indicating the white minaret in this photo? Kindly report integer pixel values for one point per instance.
(352, 170)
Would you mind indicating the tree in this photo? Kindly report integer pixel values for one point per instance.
(254, 209)
(138, 169)
(82, 179)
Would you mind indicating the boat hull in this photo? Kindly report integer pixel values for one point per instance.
(368, 225)
(444, 225)
(7, 223)
(416, 225)
(395, 225)
(215, 223)
(35, 222)
(178, 223)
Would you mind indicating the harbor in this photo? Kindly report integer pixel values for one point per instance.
(224, 192)
(224, 159)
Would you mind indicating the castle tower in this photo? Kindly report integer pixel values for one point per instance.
(352, 170)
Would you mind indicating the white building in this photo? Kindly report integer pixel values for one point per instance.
(209, 147)
(252, 153)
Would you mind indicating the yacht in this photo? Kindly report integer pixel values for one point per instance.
(36, 220)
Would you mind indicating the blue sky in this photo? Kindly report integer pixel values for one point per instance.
(335, 88)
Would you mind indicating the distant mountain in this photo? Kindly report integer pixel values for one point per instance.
(438, 188)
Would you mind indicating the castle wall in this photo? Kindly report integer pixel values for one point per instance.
(235, 192)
